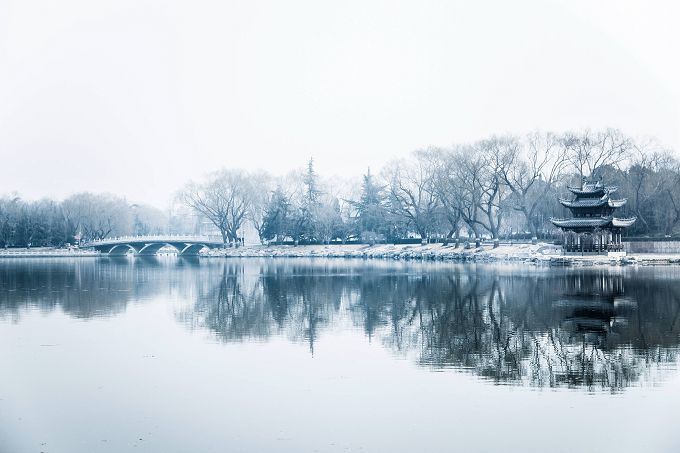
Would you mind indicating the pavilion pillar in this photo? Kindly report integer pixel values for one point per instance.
(615, 240)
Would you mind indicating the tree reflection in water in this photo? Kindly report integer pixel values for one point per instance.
(597, 328)
(592, 328)
(82, 288)
(238, 305)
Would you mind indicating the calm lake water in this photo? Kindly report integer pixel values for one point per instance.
(181, 355)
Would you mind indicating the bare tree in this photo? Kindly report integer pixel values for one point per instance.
(97, 216)
(588, 151)
(9, 207)
(260, 198)
(651, 175)
(448, 188)
(328, 219)
(482, 192)
(148, 220)
(411, 192)
(224, 198)
(466, 179)
(529, 168)
(667, 182)
(494, 195)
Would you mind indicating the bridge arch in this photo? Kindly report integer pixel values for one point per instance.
(192, 249)
(153, 248)
(121, 249)
(183, 249)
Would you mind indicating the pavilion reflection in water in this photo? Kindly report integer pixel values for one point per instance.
(596, 307)
(593, 344)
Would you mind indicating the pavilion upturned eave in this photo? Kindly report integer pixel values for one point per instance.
(584, 224)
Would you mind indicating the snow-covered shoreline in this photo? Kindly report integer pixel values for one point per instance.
(533, 254)
(541, 253)
(47, 252)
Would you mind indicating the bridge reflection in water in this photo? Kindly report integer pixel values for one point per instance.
(185, 245)
(596, 329)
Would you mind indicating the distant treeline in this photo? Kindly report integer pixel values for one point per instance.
(82, 216)
(497, 187)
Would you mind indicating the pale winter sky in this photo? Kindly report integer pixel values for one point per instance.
(135, 97)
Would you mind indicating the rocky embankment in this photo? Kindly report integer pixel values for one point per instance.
(545, 254)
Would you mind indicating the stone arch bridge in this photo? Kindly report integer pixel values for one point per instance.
(150, 245)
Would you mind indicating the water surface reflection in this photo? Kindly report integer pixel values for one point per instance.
(590, 328)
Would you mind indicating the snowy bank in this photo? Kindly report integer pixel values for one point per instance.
(541, 253)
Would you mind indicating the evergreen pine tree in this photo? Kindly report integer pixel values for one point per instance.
(371, 212)
(276, 218)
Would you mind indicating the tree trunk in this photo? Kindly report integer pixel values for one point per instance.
(423, 236)
(530, 224)
(671, 225)
(449, 236)
(234, 235)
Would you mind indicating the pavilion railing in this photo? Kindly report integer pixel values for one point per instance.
(592, 248)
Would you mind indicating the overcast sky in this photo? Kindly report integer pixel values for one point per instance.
(136, 97)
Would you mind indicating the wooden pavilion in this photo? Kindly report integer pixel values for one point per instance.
(592, 227)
